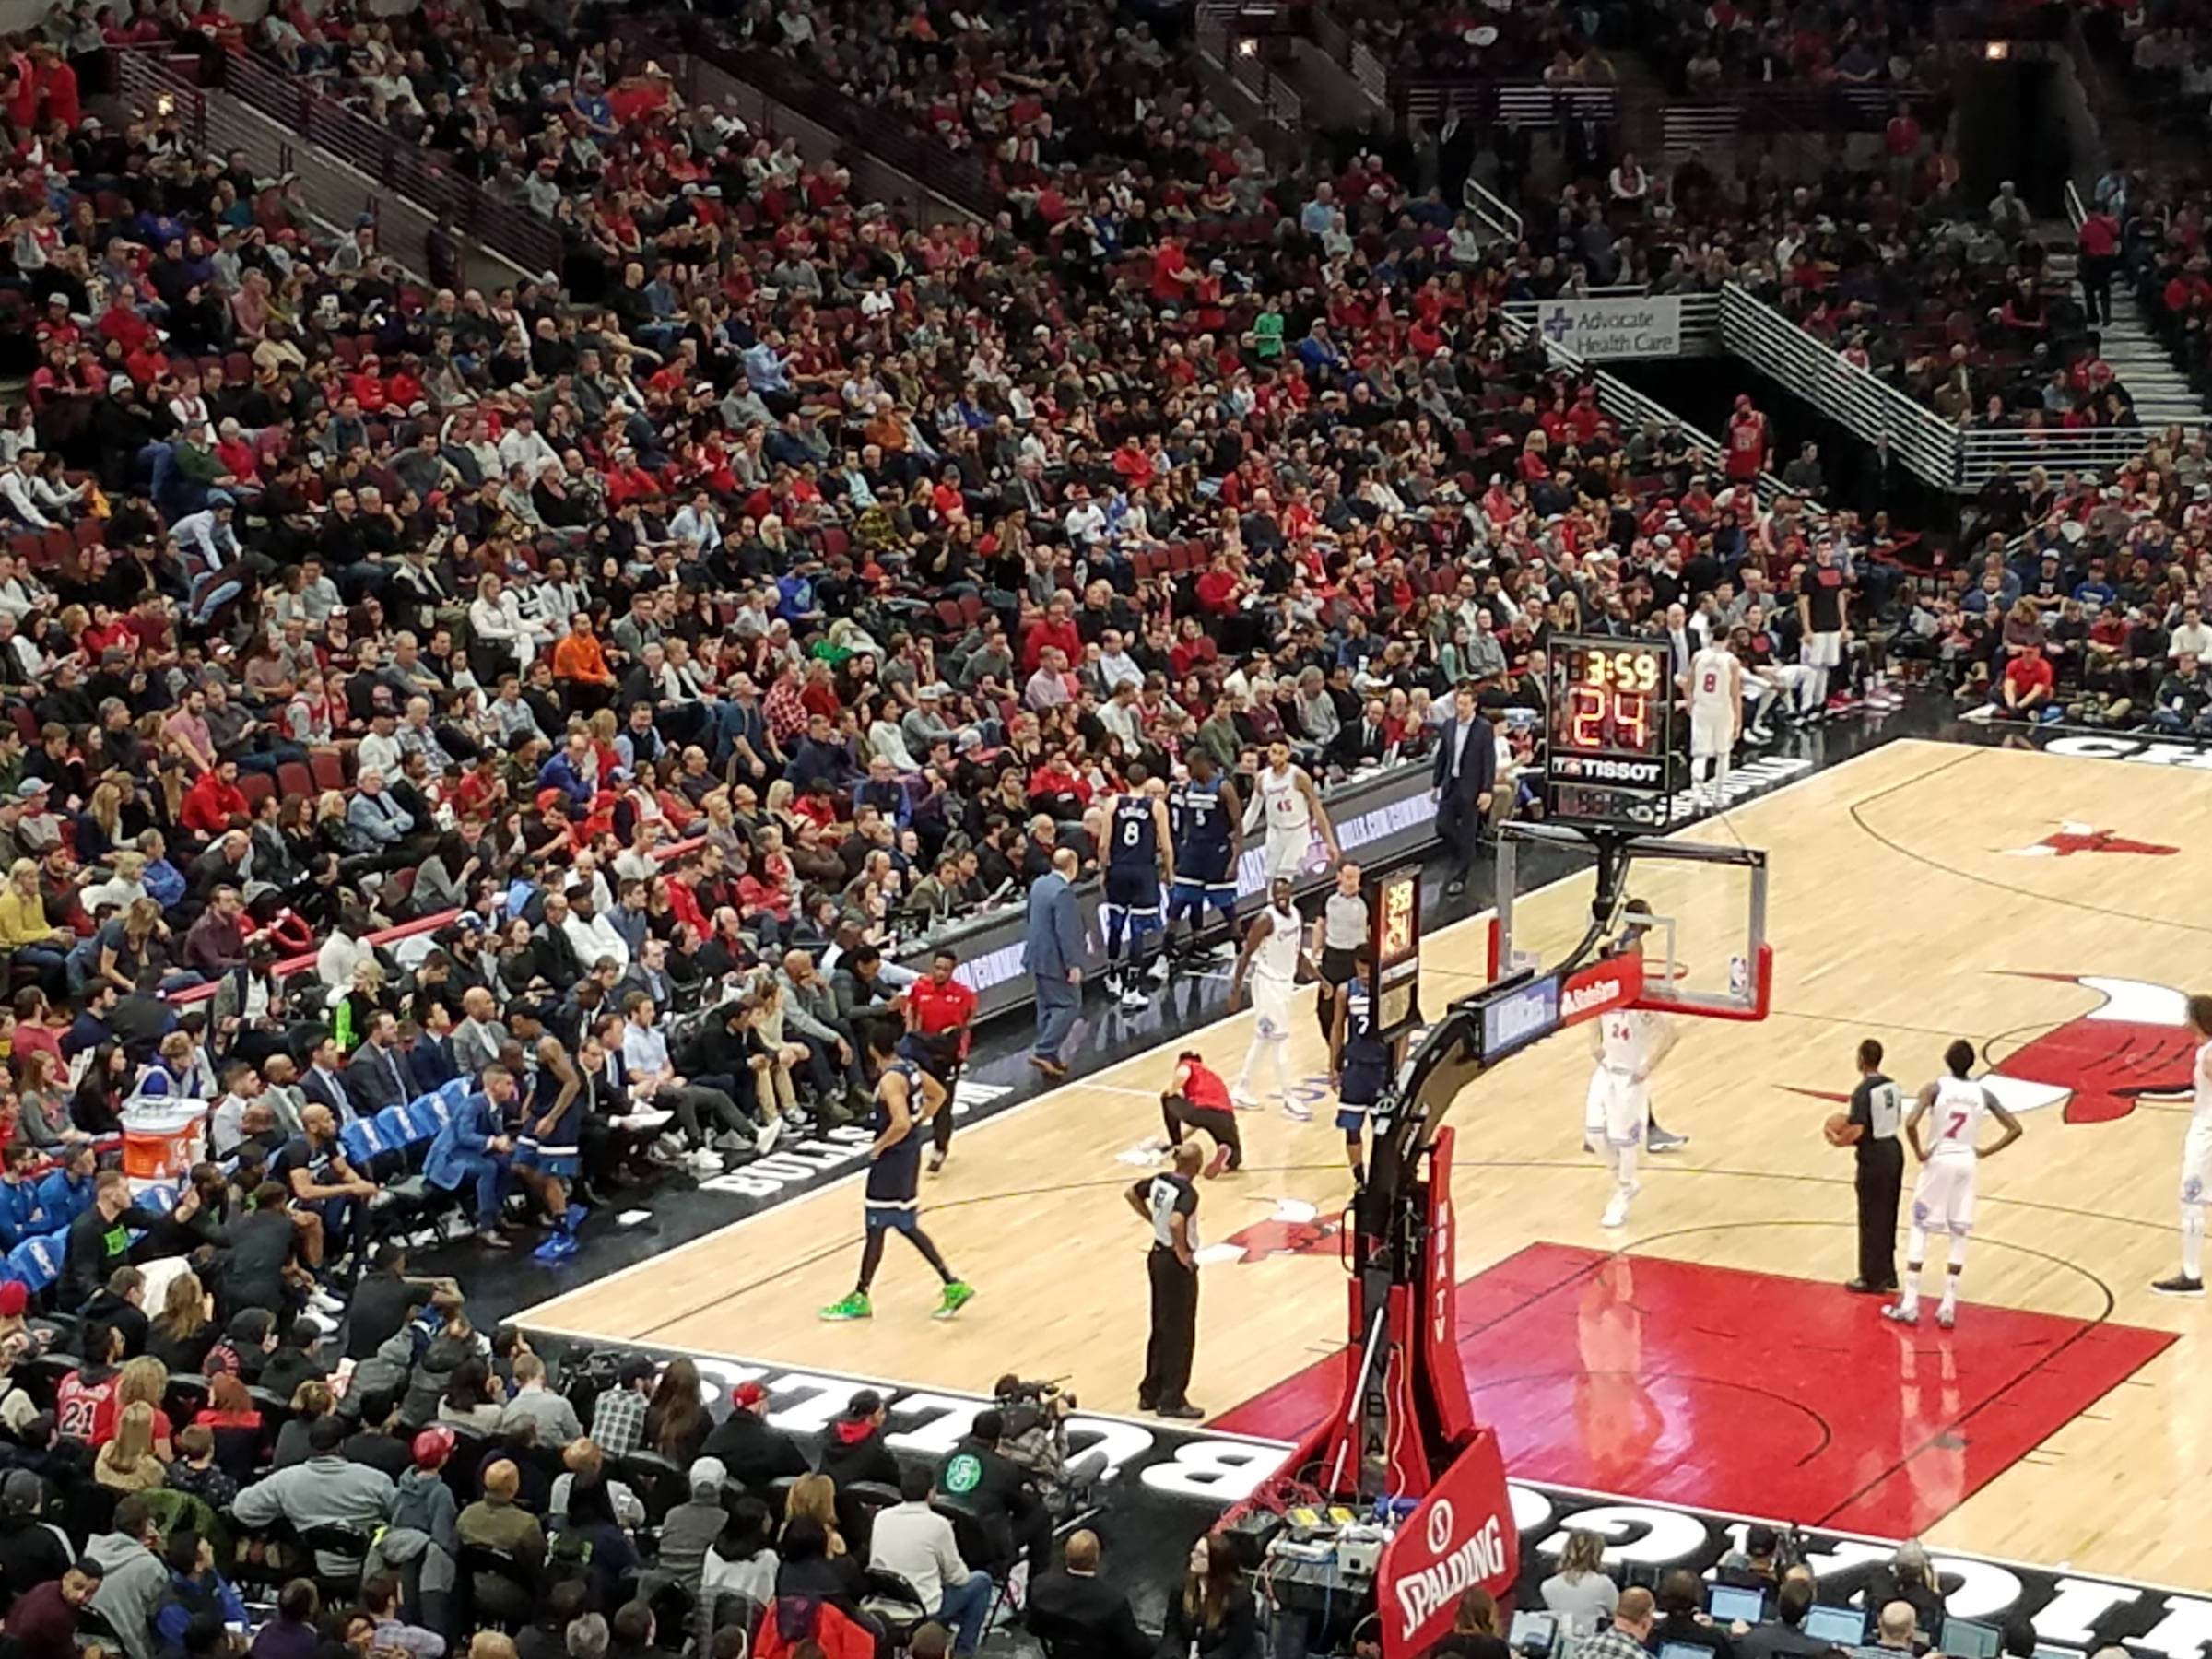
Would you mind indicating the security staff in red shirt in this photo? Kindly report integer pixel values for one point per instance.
(939, 1012)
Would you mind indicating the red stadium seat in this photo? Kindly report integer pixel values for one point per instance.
(257, 787)
(295, 779)
(328, 770)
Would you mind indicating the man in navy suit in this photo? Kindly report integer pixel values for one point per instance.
(1461, 784)
(473, 1149)
(1052, 952)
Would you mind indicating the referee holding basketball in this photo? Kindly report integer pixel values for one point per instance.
(1168, 1201)
(1870, 1129)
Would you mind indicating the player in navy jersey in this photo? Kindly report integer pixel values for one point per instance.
(548, 1148)
(1360, 1066)
(892, 1199)
(1138, 837)
(1207, 823)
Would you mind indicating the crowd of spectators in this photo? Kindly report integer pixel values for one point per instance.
(677, 644)
(2085, 602)
(189, 1477)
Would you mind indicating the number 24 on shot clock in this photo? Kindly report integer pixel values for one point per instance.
(1609, 728)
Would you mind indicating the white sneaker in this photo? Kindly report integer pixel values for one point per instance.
(1135, 999)
(705, 1161)
(1299, 1110)
(1157, 972)
(323, 1301)
(1244, 1102)
(1901, 1314)
(1947, 1316)
(1616, 1212)
(765, 1140)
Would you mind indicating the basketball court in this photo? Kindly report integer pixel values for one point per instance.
(1705, 1353)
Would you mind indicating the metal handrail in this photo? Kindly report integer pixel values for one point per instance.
(1491, 209)
(2076, 211)
(1815, 371)
(1951, 458)
(370, 150)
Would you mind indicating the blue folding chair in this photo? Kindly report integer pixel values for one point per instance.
(360, 1143)
(36, 1262)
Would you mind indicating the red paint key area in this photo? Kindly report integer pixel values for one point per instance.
(1747, 1392)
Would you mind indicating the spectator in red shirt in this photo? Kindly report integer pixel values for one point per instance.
(215, 801)
(1747, 441)
(940, 1012)
(2097, 244)
(1056, 626)
(2025, 691)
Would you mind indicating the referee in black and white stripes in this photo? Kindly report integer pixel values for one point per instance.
(1340, 940)
(1169, 1203)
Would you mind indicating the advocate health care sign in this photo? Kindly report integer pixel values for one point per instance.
(1648, 325)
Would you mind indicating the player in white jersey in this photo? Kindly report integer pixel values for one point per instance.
(1285, 799)
(1715, 684)
(2197, 1163)
(1943, 1197)
(1274, 952)
(1629, 1043)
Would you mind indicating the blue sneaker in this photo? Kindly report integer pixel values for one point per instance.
(576, 1216)
(556, 1249)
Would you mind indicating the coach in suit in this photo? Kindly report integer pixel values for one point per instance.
(1052, 952)
(471, 1150)
(1465, 774)
(1078, 1617)
(377, 1076)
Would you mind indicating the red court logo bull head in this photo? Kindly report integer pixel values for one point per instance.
(2069, 838)
(1296, 1227)
(2136, 1044)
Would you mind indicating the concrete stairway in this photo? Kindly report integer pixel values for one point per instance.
(2162, 398)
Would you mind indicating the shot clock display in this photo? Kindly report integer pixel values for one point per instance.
(1393, 909)
(1609, 733)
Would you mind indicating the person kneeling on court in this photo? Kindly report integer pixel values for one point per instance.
(1198, 1099)
(470, 1150)
(915, 1542)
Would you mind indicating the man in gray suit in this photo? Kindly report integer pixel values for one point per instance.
(1052, 952)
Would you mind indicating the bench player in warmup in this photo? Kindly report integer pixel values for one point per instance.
(1138, 865)
(892, 1198)
(1950, 1167)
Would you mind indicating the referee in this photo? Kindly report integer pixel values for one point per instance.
(1876, 1111)
(1340, 940)
(1170, 1202)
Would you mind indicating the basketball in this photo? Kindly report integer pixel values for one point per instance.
(1837, 1129)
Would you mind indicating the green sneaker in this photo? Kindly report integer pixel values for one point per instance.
(855, 1306)
(956, 1296)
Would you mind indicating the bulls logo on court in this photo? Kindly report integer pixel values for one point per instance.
(2069, 838)
(2136, 1044)
(1295, 1229)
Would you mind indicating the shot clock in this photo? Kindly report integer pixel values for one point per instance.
(1394, 909)
(1609, 731)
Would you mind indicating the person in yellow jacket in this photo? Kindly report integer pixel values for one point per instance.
(24, 931)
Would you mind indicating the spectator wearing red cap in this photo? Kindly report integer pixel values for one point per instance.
(754, 1452)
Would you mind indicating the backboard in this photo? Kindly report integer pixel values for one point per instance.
(1697, 912)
